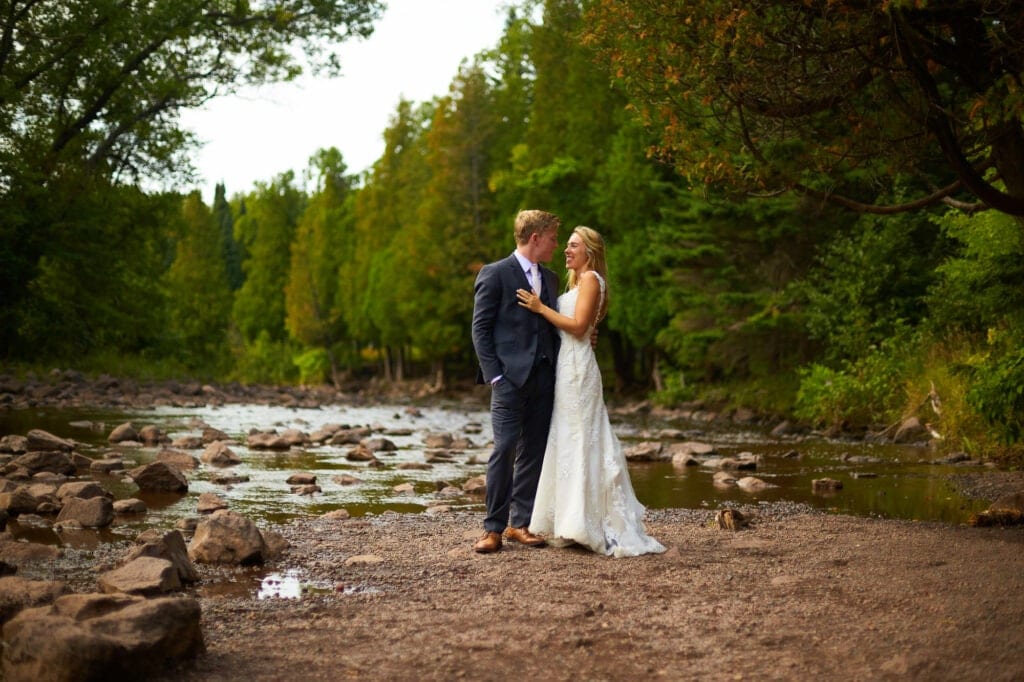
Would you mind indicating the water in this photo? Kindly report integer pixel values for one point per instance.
(878, 480)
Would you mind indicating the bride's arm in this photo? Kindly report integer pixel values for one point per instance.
(586, 307)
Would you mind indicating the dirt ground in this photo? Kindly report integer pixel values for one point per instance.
(798, 595)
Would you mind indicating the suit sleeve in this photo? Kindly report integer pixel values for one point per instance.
(486, 303)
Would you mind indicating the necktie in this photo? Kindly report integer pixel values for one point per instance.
(535, 278)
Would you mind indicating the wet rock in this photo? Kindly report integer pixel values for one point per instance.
(211, 434)
(379, 444)
(33, 462)
(18, 593)
(723, 479)
(360, 453)
(14, 444)
(226, 537)
(346, 479)
(305, 489)
(17, 502)
(210, 502)
(337, 515)
(476, 485)
(438, 440)
(647, 451)
(301, 479)
(752, 484)
(182, 460)
(825, 485)
(434, 456)
(83, 490)
(131, 505)
(414, 466)
(219, 454)
(406, 489)
(96, 636)
(93, 512)
(107, 464)
(159, 477)
(188, 442)
(349, 436)
(122, 433)
(144, 576)
(37, 439)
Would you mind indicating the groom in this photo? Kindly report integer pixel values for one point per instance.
(517, 351)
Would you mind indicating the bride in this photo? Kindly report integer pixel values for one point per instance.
(584, 495)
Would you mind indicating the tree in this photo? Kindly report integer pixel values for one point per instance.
(312, 313)
(833, 100)
(199, 297)
(90, 91)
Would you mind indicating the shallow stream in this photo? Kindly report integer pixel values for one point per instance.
(878, 480)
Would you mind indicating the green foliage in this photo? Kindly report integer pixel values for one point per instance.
(265, 360)
(198, 292)
(869, 283)
(997, 390)
(865, 392)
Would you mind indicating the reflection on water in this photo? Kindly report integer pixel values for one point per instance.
(280, 586)
(888, 481)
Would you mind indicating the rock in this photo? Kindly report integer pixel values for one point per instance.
(752, 484)
(124, 432)
(83, 490)
(379, 444)
(144, 576)
(107, 465)
(93, 512)
(210, 502)
(19, 593)
(301, 479)
(337, 515)
(226, 537)
(349, 436)
(825, 485)
(346, 479)
(306, 489)
(17, 502)
(51, 460)
(730, 519)
(267, 440)
(97, 636)
(360, 453)
(438, 440)
(414, 466)
(784, 428)
(159, 477)
(404, 489)
(37, 439)
(152, 435)
(211, 434)
(476, 485)
(183, 461)
(131, 505)
(722, 478)
(364, 560)
(219, 454)
(14, 444)
(648, 451)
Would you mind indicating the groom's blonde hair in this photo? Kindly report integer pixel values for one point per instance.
(533, 221)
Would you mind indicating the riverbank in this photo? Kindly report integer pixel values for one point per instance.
(797, 595)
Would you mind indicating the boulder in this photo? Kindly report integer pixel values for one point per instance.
(19, 593)
(159, 477)
(144, 576)
(170, 546)
(83, 490)
(227, 537)
(99, 636)
(124, 432)
(93, 512)
(44, 460)
(219, 454)
(37, 439)
(182, 460)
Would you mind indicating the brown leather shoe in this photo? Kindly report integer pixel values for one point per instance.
(489, 542)
(524, 537)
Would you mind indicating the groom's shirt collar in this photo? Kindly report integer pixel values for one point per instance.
(524, 263)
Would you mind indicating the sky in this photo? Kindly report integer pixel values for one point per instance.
(414, 52)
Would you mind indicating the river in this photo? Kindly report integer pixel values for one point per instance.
(878, 480)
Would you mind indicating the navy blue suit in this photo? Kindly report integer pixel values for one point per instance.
(521, 347)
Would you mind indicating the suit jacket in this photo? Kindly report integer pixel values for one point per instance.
(505, 334)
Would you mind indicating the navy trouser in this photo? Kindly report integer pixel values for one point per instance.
(520, 417)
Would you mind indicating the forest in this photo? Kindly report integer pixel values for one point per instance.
(811, 209)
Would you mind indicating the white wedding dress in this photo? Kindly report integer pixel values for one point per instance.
(584, 494)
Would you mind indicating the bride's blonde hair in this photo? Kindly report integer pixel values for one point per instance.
(593, 244)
